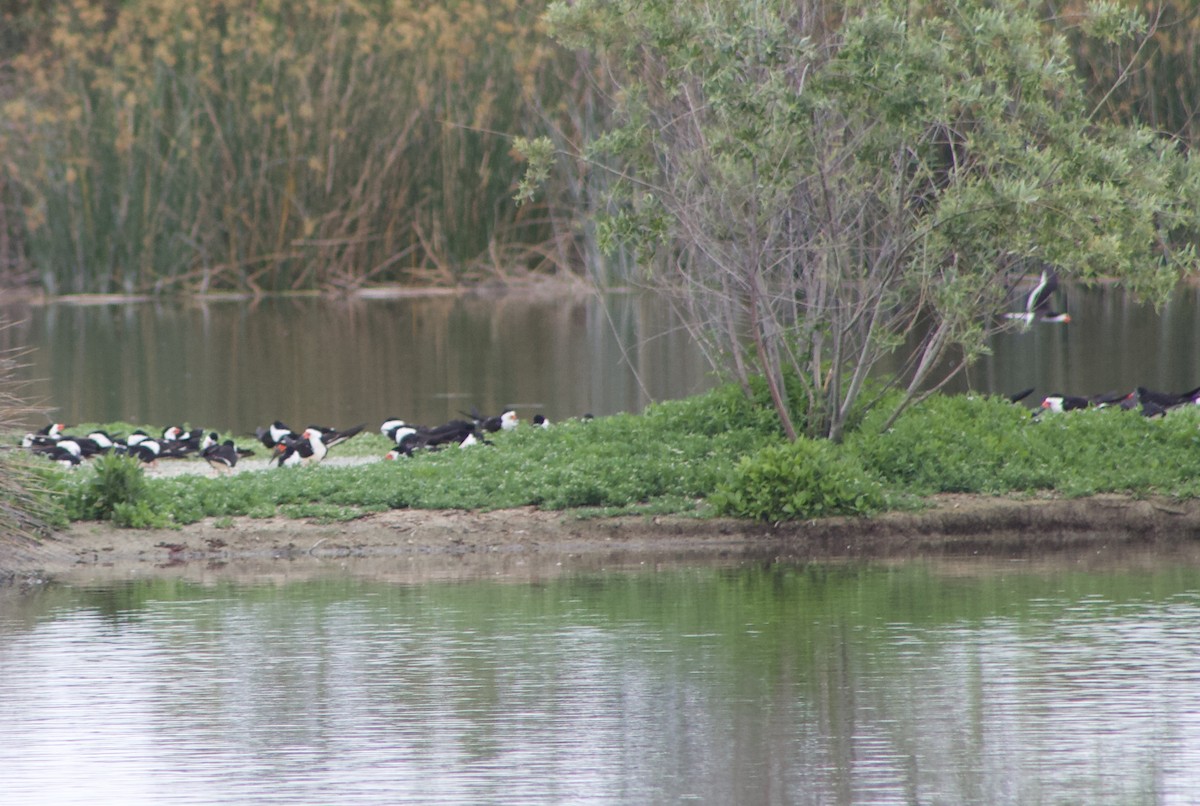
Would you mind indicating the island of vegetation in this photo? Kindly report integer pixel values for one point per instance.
(709, 475)
(842, 198)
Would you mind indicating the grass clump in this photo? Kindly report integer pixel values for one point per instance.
(116, 490)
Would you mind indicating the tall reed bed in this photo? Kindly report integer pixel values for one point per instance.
(211, 145)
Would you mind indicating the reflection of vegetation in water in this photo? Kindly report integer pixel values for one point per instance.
(801, 680)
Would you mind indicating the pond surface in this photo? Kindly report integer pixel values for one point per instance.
(976, 681)
(233, 366)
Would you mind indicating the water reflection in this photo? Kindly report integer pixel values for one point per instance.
(817, 684)
(233, 366)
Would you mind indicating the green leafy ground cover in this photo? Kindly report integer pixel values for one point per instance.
(714, 454)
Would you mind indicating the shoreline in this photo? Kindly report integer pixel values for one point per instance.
(413, 546)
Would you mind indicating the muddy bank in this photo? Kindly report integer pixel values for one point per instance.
(419, 545)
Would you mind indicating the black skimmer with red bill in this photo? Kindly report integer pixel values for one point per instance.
(45, 436)
(1059, 402)
(312, 445)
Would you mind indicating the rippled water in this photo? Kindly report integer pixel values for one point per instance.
(816, 685)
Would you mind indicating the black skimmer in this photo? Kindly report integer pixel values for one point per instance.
(390, 426)
(1037, 304)
(274, 434)
(222, 457)
(180, 442)
(1059, 402)
(540, 421)
(1167, 400)
(102, 439)
(506, 421)
(65, 451)
(88, 446)
(144, 448)
(455, 432)
(213, 438)
(332, 436)
(314, 443)
(44, 436)
(287, 454)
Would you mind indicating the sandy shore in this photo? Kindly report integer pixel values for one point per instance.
(523, 544)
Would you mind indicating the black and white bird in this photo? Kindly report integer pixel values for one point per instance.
(178, 441)
(287, 454)
(274, 434)
(505, 421)
(45, 436)
(1059, 402)
(222, 457)
(314, 443)
(65, 452)
(143, 447)
(1167, 400)
(1038, 303)
(413, 438)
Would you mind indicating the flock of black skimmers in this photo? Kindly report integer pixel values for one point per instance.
(1149, 402)
(286, 448)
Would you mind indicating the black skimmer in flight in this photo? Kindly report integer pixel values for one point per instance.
(1037, 304)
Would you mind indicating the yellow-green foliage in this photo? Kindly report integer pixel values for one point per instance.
(280, 144)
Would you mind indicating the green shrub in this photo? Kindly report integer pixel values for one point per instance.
(115, 482)
(803, 479)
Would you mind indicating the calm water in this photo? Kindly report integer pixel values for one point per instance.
(233, 366)
(977, 682)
